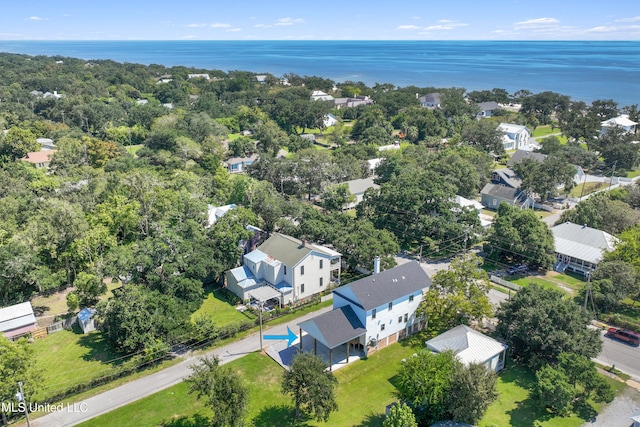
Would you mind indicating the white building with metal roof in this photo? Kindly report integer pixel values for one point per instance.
(580, 248)
(471, 346)
(17, 320)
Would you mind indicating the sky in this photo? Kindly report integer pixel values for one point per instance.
(318, 20)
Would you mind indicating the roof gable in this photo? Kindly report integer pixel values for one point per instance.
(387, 286)
(469, 345)
(520, 155)
(334, 327)
(582, 242)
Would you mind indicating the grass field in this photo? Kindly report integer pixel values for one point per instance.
(364, 389)
(217, 305)
(133, 149)
(587, 188)
(544, 131)
(552, 280)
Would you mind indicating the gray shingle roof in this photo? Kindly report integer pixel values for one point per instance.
(387, 286)
(359, 186)
(501, 191)
(335, 327)
(520, 155)
(488, 105)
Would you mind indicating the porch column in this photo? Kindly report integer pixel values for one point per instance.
(330, 359)
(347, 344)
(300, 339)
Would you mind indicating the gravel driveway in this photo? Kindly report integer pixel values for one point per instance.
(619, 411)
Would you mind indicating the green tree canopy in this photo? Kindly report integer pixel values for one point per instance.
(312, 388)
(539, 323)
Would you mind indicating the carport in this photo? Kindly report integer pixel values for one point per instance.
(333, 329)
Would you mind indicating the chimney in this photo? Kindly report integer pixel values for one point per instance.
(376, 265)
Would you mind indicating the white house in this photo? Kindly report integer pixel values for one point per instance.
(471, 346)
(431, 100)
(318, 95)
(286, 269)
(214, 213)
(464, 203)
(580, 248)
(330, 120)
(621, 121)
(17, 320)
(487, 108)
(198, 76)
(239, 164)
(515, 136)
(372, 312)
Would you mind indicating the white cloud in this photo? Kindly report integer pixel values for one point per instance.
(234, 30)
(537, 22)
(35, 18)
(601, 29)
(262, 26)
(632, 19)
(196, 25)
(445, 25)
(289, 21)
(408, 27)
(219, 25)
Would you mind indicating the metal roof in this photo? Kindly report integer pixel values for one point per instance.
(582, 242)
(290, 251)
(359, 186)
(387, 286)
(264, 293)
(335, 327)
(469, 345)
(16, 316)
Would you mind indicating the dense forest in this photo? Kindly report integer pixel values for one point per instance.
(139, 156)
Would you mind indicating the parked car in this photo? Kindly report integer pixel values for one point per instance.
(517, 269)
(625, 335)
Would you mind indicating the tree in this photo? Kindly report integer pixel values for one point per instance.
(544, 178)
(600, 211)
(519, 236)
(222, 390)
(400, 415)
(617, 147)
(424, 382)
(571, 383)
(473, 390)
(17, 363)
(484, 135)
(538, 324)
(543, 105)
(458, 295)
(337, 197)
(312, 388)
(612, 282)
(17, 142)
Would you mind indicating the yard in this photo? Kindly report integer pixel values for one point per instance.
(570, 284)
(218, 304)
(375, 375)
(585, 188)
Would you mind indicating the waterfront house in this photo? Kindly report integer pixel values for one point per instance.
(431, 100)
(487, 108)
(623, 122)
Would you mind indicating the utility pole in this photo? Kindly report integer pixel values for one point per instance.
(22, 399)
(612, 172)
(588, 294)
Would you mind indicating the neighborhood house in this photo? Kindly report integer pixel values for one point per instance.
(515, 136)
(285, 269)
(471, 346)
(372, 312)
(579, 248)
(17, 320)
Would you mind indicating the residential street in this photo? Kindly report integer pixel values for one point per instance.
(134, 390)
(625, 357)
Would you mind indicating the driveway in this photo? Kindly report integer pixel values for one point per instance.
(624, 356)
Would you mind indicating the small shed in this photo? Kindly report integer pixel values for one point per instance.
(85, 319)
(17, 320)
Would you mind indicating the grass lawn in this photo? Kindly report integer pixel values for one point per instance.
(70, 357)
(544, 131)
(633, 173)
(589, 187)
(217, 305)
(516, 407)
(133, 149)
(267, 405)
(553, 280)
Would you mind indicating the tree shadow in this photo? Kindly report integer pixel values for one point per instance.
(39, 310)
(278, 416)
(195, 420)
(529, 413)
(520, 375)
(372, 420)
(99, 348)
(584, 410)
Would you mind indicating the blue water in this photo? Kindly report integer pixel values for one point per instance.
(585, 71)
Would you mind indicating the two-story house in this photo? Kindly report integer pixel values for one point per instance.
(515, 136)
(286, 269)
(372, 312)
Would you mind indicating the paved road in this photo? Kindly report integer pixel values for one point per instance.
(625, 357)
(134, 390)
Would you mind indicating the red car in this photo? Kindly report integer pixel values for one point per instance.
(625, 335)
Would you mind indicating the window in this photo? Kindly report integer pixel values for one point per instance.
(321, 263)
(302, 288)
(410, 298)
(390, 305)
(302, 270)
(406, 317)
(399, 319)
(382, 327)
(285, 269)
(321, 280)
(373, 313)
